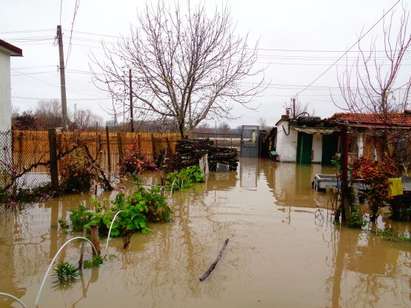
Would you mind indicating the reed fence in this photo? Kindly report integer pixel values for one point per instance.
(32, 147)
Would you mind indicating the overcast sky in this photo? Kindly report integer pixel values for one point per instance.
(297, 40)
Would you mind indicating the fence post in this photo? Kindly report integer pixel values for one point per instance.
(120, 148)
(153, 147)
(139, 143)
(108, 150)
(53, 158)
(20, 152)
(168, 146)
(12, 146)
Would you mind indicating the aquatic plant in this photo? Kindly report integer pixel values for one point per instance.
(185, 178)
(65, 273)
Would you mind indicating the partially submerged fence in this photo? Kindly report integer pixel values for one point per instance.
(32, 152)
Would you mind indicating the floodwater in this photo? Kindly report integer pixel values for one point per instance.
(283, 251)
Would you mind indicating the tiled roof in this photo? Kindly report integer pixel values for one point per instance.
(396, 119)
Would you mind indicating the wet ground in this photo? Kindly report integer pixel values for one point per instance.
(283, 251)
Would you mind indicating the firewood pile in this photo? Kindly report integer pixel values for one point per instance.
(189, 151)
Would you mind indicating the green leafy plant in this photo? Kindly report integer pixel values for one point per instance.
(80, 217)
(356, 219)
(185, 178)
(388, 234)
(95, 261)
(63, 224)
(137, 209)
(66, 273)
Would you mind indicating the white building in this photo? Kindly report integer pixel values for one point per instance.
(303, 140)
(6, 51)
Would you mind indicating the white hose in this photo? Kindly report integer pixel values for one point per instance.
(13, 297)
(43, 282)
(111, 226)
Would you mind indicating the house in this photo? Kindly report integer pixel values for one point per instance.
(6, 51)
(366, 130)
(305, 140)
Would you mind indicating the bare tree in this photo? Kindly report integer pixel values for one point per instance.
(372, 84)
(48, 114)
(84, 119)
(186, 64)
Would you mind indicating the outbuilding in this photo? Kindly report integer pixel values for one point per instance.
(305, 140)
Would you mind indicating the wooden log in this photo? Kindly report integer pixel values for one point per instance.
(95, 239)
(214, 264)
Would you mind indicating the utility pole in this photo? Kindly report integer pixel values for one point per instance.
(293, 100)
(62, 77)
(131, 100)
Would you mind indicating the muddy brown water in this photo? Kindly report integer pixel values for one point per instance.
(283, 251)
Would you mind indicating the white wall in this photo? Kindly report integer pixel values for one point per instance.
(5, 92)
(317, 148)
(5, 113)
(286, 146)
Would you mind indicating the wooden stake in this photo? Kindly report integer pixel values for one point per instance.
(108, 150)
(214, 264)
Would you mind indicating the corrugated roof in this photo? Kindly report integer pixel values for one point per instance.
(10, 49)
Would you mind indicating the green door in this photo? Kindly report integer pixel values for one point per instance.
(304, 148)
(330, 143)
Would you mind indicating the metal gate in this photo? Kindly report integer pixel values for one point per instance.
(249, 141)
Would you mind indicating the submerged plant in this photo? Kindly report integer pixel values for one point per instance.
(63, 224)
(80, 217)
(136, 211)
(388, 234)
(185, 178)
(95, 261)
(356, 219)
(66, 273)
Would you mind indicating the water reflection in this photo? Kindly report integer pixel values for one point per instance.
(283, 251)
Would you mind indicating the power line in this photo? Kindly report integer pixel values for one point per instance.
(26, 31)
(76, 7)
(345, 52)
(72, 99)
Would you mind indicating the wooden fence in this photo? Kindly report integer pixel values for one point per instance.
(30, 147)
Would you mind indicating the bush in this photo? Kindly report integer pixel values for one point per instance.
(134, 162)
(137, 210)
(77, 174)
(356, 219)
(375, 174)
